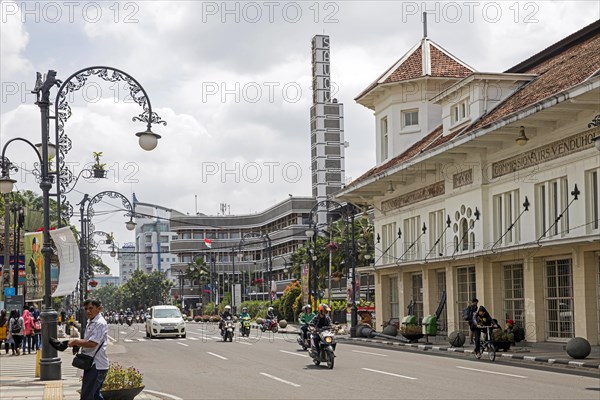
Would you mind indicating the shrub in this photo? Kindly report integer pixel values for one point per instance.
(119, 377)
(288, 300)
(197, 318)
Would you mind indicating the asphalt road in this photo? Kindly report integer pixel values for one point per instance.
(267, 366)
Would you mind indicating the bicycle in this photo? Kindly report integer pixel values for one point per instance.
(487, 345)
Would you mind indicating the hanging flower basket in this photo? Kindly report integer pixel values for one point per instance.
(332, 247)
(258, 281)
(337, 276)
(93, 283)
(99, 173)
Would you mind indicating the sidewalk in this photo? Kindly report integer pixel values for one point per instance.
(18, 381)
(545, 353)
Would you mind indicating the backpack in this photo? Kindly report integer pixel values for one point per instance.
(16, 327)
(37, 325)
(467, 314)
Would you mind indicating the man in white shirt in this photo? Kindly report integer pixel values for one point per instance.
(93, 344)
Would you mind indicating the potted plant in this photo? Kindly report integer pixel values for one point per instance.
(99, 169)
(122, 383)
(332, 247)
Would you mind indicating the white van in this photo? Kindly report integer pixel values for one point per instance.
(165, 321)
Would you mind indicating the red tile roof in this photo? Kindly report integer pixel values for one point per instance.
(410, 69)
(443, 65)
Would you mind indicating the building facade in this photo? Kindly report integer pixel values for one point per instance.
(487, 186)
(127, 259)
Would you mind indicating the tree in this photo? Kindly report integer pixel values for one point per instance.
(111, 297)
(144, 290)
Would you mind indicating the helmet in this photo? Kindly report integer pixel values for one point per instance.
(324, 308)
(270, 308)
(228, 307)
(244, 309)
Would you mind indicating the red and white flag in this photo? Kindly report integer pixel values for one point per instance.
(208, 243)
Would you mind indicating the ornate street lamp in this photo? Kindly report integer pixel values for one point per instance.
(50, 364)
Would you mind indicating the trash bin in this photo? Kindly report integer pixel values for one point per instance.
(409, 320)
(430, 325)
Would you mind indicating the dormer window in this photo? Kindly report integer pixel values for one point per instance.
(410, 119)
(460, 112)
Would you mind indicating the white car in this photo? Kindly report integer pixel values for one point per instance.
(165, 321)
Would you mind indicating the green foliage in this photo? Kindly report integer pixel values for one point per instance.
(288, 299)
(146, 290)
(209, 308)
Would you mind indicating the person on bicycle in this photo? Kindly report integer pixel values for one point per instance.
(481, 320)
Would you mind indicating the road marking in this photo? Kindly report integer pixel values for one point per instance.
(247, 344)
(193, 338)
(111, 338)
(183, 344)
(295, 354)
(169, 396)
(389, 373)
(216, 355)
(368, 352)
(493, 372)
(280, 380)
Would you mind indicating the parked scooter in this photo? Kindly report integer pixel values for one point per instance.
(326, 347)
(271, 326)
(228, 329)
(304, 339)
(245, 326)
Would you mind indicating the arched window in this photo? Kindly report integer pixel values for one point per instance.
(464, 234)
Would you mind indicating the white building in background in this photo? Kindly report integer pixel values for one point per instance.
(127, 261)
(153, 239)
(487, 186)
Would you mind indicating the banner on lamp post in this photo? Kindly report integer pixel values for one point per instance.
(305, 271)
(34, 266)
(68, 257)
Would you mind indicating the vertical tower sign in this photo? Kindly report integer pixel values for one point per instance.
(327, 128)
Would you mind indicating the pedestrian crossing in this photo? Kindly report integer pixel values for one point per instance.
(24, 365)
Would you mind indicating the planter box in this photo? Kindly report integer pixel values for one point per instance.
(121, 394)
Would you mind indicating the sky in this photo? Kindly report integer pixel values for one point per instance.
(232, 79)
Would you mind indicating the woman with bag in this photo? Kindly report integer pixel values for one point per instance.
(15, 327)
(37, 332)
(27, 330)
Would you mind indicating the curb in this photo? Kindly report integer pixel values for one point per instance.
(515, 357)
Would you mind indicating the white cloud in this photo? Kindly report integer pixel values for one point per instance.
(13, 42)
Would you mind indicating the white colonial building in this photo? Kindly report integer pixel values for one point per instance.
(487, 186)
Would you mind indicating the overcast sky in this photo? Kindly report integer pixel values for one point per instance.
(232, 79)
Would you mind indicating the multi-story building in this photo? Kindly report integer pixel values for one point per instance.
(127, 261)
(487, 186)
(153, 238)
(105, 280)
(236, 249)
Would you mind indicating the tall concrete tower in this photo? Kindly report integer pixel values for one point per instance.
(326, 128)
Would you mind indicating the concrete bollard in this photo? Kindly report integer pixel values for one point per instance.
(578, 348)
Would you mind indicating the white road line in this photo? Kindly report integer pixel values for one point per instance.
(111, 338)
(493, 372)
(389, 373)
(216, 355)
(183, 344)
(217, 337)
(193, 338)
(247, 344)
(368, 352)
(280, 380)
(292, 353)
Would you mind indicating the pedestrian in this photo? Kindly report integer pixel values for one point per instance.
(27, 330)
(481, 320)
(3, 330)
(93, 344)
(15, 328)
(468, 314)
(37, 332)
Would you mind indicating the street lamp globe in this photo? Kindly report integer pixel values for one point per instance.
(367, 257)
(130, 225)
(310, 232)
(51, 149)
(6, 184)
(113, 253)
(148, 139)
(240, 256)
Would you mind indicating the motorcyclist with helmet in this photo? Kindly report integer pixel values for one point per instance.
(226, 314)
(304, 318)
(244, 313)
(270, 317)
(319, 321)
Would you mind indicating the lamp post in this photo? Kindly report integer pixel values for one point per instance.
(347, 213)
(18, 221)
(87, 231)
(50, 364)
(312, 236)
(266, 239)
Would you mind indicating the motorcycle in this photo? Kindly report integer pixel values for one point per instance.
(304, 339)
(245, 326)
(326, 347)
(272, 325)
(228, 329)
(129, 320)
(121, 319)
